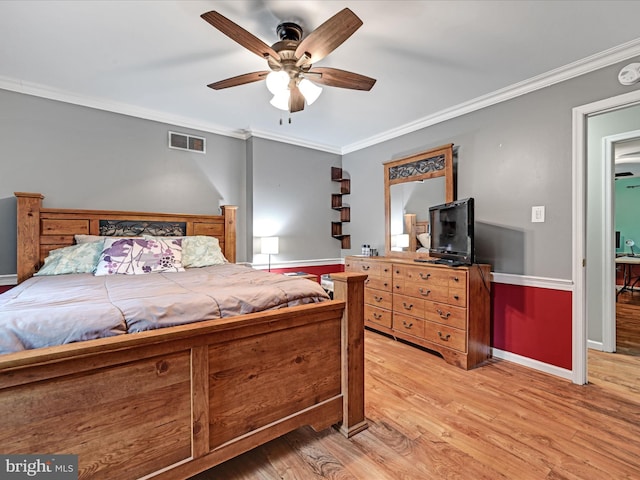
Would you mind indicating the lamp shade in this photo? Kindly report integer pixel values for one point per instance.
(278, 82)
(281, 100)
(309, 90)
(269, 245)
(403, 240)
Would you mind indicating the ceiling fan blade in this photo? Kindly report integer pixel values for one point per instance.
(239, 80)
(238, 34)
(296, 99)
(333, 77)
(328, 36)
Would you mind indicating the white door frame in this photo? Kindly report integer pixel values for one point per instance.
(609, 251)
(579, 161)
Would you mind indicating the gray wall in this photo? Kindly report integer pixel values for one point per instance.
(510, 157)
(292, 199)
(82, 157)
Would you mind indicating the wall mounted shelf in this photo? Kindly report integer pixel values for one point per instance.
(338, 204)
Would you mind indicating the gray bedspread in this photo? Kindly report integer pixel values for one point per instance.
(46, 311)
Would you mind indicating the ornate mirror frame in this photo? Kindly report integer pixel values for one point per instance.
(434, 163)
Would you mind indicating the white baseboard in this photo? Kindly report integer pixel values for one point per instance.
(530, 281)
(593, 345)
(318, 262)
(8, 280)
(534, 364)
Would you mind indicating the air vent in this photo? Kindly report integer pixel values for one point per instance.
(182, 141)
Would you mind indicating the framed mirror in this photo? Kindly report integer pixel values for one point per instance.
(412, 185)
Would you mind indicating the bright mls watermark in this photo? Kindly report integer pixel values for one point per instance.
(50, 467)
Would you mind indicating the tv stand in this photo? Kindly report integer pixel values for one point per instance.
(429, 303)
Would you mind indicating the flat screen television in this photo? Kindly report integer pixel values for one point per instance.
(452, 232)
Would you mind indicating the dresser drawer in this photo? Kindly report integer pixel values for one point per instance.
(445, 336)
(421, 275)
(406, 324)
(445, 314)
(378, 298)
(377, 315)
(436, 293)
(457, 279)
(408, 305)
(379, 283)
(371, 268)
(457, 297)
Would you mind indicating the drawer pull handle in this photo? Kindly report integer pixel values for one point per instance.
(456, 279)
(377, 316)
(367, 281)
(366, 267)
(385, 284)
(407, 325)
(444, 337)
(377, 298)
(424, 277)
(456, 297)
(442, 314)
(407, 307)
(424, 292)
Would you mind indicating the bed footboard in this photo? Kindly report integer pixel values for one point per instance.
(174, 402)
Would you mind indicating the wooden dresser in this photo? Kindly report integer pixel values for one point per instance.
(444, 309)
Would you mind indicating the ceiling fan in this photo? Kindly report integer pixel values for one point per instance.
(291, 77)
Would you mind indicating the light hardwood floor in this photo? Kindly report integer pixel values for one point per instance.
(429, 420)
(628, 323)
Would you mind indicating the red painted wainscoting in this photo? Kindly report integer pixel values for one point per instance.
(532, 322)
(4, 288)
(314, 270)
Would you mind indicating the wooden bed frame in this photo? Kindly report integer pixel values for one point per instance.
(170, 403)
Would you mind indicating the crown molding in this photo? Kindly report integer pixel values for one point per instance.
(51, 93)
(295, 141)
(567, 72)
(561, 74)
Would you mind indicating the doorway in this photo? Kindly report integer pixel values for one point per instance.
(591, 265)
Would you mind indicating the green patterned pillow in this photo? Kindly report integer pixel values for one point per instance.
(74, 259)
(201, 251)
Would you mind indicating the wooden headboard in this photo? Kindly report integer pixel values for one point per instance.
(43, 229)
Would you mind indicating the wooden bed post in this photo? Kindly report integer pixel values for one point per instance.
(28, 228)
(229, 213)
(351, 286)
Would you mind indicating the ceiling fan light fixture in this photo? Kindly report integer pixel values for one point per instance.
(309, 90)
(281, 100)
(278, 82)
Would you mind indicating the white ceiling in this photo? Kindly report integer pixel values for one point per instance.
(154, 59)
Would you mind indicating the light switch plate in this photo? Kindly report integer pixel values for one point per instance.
(537, 214)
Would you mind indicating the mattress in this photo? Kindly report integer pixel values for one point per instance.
(53, 310)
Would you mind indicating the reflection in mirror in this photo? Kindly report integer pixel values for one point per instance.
(415, 197)
(412, 185)
(412, 198)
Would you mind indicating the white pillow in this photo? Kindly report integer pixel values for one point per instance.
(134, 256)
(425, 240)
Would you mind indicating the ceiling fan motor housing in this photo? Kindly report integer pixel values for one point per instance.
(289, 31)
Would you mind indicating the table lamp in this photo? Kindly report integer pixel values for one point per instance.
(269, 246)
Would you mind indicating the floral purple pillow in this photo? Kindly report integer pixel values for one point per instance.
(134, 256)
